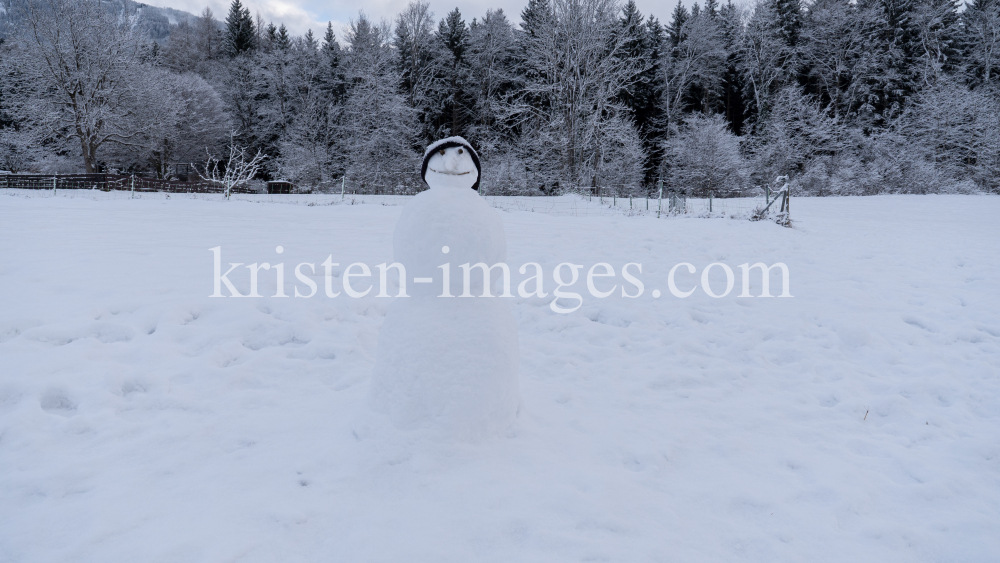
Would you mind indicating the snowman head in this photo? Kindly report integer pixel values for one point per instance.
(451, 163)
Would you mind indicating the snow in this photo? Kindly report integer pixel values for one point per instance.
(141, 420)
(447, 367)
(458, 219)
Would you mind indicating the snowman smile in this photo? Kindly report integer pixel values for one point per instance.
(449, 173)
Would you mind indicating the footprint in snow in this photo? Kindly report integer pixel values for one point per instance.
(56, 402)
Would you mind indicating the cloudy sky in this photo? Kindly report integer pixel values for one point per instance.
(300, 15)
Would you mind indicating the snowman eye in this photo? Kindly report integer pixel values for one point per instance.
(459, 151)
(442, 152)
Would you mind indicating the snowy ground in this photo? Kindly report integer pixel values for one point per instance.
(859, 420)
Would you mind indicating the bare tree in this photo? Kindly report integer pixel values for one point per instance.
(762, 56)
(308, 147)
(958, 131)
(181, 53)
(238, 170)
(17, 150)
(377, 128)
(704, 155)
(697, 60)
(208, 36)
(937, 27)
(413, 42)
(795, 131)
(982, 36)
(16, 130)
(833, 46)
(87, 63)
(192, 121)
(576, 72)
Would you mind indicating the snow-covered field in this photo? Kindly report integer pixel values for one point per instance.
(141, 420)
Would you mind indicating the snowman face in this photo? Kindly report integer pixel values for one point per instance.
(452, 166)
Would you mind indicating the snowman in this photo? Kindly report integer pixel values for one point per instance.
(446, 362)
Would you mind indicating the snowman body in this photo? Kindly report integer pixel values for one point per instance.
(447, 362)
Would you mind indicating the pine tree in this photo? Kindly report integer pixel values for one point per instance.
(281, 39)
(537, 21)
(734, 105)
(454, 34)
(631, 22)
(451, 107)
(269, 38)
(536, 15)
(331, 75)
(240, 36)
(981, 35)
(633, 30)
(788, 20)
(644, 41)
(676, 28)
(649, 114)
(884, 86)
(712, 8)
(331, 48)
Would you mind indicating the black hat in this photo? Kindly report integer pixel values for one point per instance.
(447, 144)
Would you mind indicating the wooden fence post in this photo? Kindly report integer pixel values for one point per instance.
(659, 206)
(343, 182)
(53, 185)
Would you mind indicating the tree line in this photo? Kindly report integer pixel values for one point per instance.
(844, 97)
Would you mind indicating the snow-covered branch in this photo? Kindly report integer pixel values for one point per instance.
(239, 169)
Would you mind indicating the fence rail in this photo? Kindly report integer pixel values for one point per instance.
(108, 182)
(121, 182)
(737, 204)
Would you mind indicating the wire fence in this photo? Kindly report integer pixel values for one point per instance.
(578, 202)
(309, 199)
(737, 204)
(106, 183)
